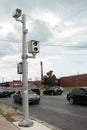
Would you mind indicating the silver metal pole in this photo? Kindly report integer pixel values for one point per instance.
(25, 122)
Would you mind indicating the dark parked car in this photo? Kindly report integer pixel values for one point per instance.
(33, 97)
(4, 92)
(35, 89)
(77, 95)
(55, 90)
(9, 90)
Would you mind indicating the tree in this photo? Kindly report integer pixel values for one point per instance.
(49, 79)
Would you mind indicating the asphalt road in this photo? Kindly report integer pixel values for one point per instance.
(56, 111)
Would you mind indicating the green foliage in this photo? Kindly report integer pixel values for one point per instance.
(42, 88)
(49, 79)
(67, 89)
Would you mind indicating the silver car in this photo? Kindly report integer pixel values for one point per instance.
(33, 97)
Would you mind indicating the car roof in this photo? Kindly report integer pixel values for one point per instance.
(33, 86)
(83, 88)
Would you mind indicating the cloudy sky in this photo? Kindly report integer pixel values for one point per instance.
(59, 25)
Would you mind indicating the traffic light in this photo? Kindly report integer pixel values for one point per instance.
(33, 47)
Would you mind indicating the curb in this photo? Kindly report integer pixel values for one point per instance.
(17, 116)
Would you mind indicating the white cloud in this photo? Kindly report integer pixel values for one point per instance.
(46, 16)
(60, 26)
(5, 28)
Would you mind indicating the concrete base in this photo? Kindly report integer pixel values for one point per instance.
(25, 123)
(36, 126)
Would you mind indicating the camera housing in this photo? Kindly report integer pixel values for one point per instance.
(33, 47)
(17, 13)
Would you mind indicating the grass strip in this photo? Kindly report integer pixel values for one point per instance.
(7, 116)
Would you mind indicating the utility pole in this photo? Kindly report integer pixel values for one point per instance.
(25, 122)
(33, 48)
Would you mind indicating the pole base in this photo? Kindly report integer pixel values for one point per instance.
(25, 123)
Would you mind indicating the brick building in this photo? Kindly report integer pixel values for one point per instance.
(18, 83)
(74, 81)
(68, 81)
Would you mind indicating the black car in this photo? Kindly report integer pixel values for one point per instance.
(55, 90)
(9, 90)
(77, 95)
(35, 89)
(33, 97)
(4, 92)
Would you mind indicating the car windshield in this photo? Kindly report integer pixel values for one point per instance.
(84, 88)
(1, 89)
(32, 87)
(30, 92)
(54, 87)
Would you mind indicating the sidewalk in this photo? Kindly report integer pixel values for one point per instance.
(17, 116)
(36, 126)
(6, 125)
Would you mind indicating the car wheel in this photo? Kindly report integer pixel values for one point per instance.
(59, 93)
(52, 93)
(9, 95)
(44, 93)
(38, 102)
(71, 101)
(21, 101)
(14, 101)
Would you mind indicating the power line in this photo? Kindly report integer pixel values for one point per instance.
(9, 40)
(64, 46)
(49, 45)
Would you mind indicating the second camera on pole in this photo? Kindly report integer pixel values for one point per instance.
(33, 47)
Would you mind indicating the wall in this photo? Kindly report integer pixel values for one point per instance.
(74, 81)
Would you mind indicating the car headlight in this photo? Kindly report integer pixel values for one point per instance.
(38, 96)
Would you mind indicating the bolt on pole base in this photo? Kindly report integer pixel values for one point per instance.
(25, 123)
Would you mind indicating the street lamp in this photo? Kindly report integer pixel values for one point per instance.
(25, 122)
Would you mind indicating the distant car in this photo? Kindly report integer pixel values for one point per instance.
(10, 90)
(4, 93)
(77, 95)
(33, 97)
(35, 89)
(55, 90)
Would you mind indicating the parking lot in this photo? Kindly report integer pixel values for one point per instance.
(56, 111)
